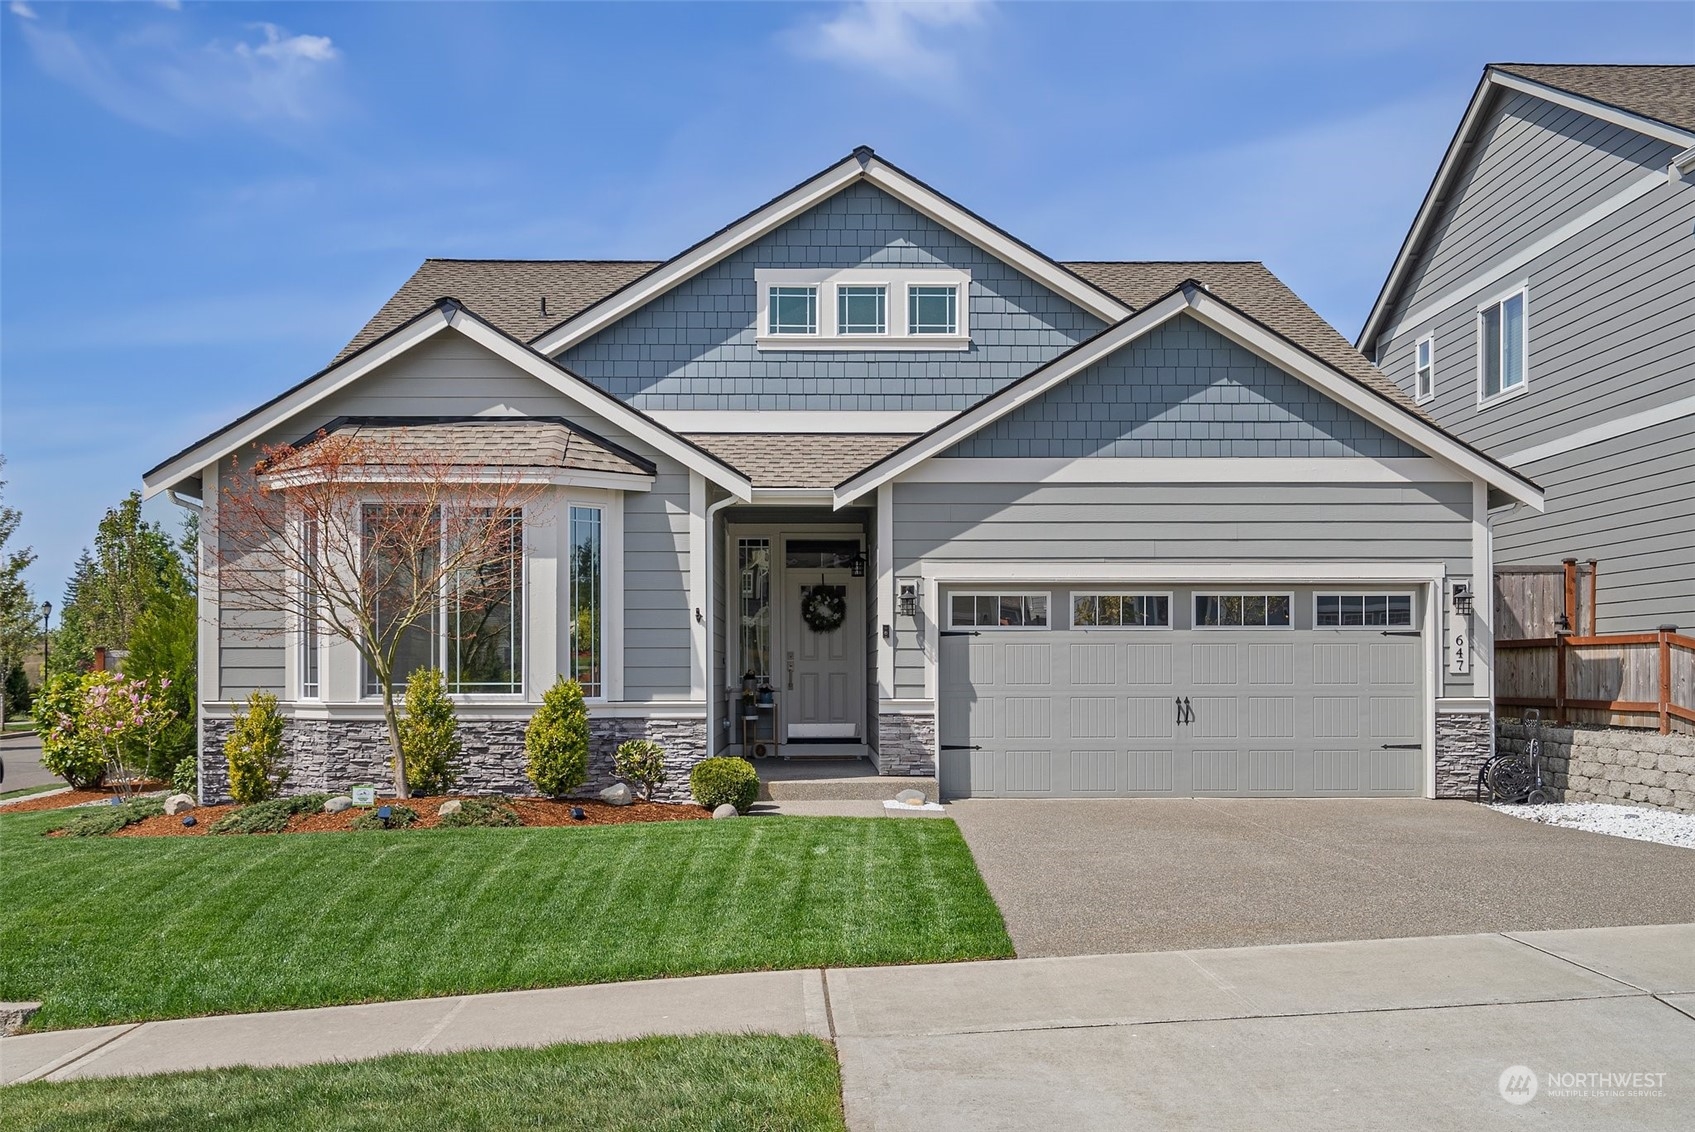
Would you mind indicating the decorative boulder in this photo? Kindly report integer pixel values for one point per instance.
(337, 804)
(178, 804)
(617, 795)
(910, 797)
(724, 811)
(451, 806)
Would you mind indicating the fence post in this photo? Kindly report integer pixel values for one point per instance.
(1559, 679)
(1572, 624)
(1592, 586)
(1665, 679)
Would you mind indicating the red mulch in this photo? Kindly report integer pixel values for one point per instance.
(72, 798)
(531, 811)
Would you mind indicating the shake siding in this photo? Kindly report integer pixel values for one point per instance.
(694, 347)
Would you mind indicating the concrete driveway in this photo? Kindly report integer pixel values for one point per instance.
(1091, 877)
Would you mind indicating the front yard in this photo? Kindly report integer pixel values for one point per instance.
(123, 929)
(662, 1084)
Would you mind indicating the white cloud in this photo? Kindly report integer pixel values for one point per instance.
(909, 41)
(157, 76)
(22, 11)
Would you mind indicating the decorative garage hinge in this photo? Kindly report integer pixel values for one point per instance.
(1400, 632)
(961, 747)
(959, 633)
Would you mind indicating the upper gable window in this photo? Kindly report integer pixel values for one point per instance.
(863, 308)
(1424, 368)
(1501, 346)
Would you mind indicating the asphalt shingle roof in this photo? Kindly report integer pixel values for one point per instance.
(1663, 93)
(798, 459)
(493, 442)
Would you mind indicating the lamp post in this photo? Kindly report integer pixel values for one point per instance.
(46, 620)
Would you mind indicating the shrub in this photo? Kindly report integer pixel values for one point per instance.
(68, 749)
(254, 751)
(185, 776)
(269, 816)
(716, 781)
(100, 821)
(557, 740)
(399, 818)
(429, 733)
(640, 761)
(478, 812)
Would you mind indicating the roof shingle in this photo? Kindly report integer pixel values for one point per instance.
(782, 459)
(1663, 93)
(495, 442)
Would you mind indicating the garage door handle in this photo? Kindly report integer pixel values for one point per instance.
(1185, 713)
(960, 747)
(1403, 747)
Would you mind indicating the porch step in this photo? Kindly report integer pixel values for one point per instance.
(833, 780)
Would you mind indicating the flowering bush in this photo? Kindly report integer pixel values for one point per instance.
(66, 748)
(100, 724)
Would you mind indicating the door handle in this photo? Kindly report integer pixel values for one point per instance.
(791, 677)
(1179, 703)
(1188, 712)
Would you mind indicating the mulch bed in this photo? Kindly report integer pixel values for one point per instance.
(531, 811)
(73, 798)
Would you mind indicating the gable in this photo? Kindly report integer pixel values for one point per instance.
(693, 346)
(1182, 390)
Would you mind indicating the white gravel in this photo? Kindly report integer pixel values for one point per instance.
(1635, 822)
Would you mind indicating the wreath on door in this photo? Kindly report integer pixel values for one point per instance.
(824, 608)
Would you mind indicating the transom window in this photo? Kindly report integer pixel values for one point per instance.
(932, 310)
(1425, 368)
(794, 310)
(1121, 611)
(999, 611)
(816, 554)
(1362, 611)
(1501, 346)
(862, 309)
(1242, 611)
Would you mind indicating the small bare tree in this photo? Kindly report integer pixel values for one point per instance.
(366, 536)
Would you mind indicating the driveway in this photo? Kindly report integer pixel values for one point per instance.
(1090, 877)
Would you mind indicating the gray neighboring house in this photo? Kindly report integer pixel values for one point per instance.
(1046, 529)
(1542, 307)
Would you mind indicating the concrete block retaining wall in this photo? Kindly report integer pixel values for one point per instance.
(1596, 764)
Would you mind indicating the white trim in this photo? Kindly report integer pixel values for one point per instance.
(699, 598)
(863, 165)
(1001, 594)
(1195, 595)
(469, 709)
(1429, 394)
(1528, 254)
(1187, 573)
(826, 284)
(209, 683)
(1608, 430)
(612, 481)
(1121, 594)
(886, 605)
(1318, 593)
(1433, 688)
(1594, 109)
(612, 596)
(1183, 469)
(1482, 594)
(892, 423)
(1498, 301)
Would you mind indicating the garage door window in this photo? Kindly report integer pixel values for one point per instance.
(1121, 611)
(999, 611)
(1242, 611)
(1361, 611)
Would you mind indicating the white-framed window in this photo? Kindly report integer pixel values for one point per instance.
(1362, 611)
(1120, 611)
(932, 309)
(792, 310)
(586, 665)
(1424, 369)
(1243, 610)
(998, 611)
(310, 640)
(862, 308)
(1503, 363)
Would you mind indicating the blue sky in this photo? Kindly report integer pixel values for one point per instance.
(200, 203)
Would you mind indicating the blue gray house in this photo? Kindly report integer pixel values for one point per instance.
(1543, 308)
(863, 473)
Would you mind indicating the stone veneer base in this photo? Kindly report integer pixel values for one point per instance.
(906, 744)
(1464, 742)
(330, 756)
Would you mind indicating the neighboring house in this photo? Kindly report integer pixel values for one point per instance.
(1091, 528)
(1543, 308)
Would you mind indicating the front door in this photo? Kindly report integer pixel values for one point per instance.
(824, 676)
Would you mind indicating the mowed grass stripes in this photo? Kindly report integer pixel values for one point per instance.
(123, 929)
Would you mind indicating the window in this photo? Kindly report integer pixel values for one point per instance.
(820, 554)
(862, 309)
(585, 662)
(1501, 346)
(1425, 368)
(1000, 611)
(1242, 611)
(932, 310)
(1121, 611)
(485, 616)
(794, 310)
(1362, 611)
(753, 560)
(309, 613)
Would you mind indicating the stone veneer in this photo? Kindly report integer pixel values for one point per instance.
(1463, 745)
(906, 744)
(1612, 764)
(329, 756)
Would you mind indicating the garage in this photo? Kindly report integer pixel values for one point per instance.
(1275, 691)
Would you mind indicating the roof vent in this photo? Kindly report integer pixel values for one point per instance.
(544, 304)
(863, 154)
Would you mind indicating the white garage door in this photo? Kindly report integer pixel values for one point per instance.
(1327, 703)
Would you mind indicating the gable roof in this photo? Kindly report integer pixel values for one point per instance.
(797, 459)
(1658, 101)
(1195, 300)
(491, 442)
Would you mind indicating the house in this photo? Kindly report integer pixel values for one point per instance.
(1542, 307)
(1045, 528)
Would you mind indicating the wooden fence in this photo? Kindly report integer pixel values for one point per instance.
(1530, 601)
(1614, 679)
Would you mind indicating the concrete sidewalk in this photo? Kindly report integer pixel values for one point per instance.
(1390, 1034)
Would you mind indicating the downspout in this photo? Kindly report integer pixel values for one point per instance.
(712, 510)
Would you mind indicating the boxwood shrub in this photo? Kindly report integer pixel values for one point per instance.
(716, 781)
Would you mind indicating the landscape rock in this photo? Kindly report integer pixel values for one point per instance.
(451, 806)
(617, 794)
(14, 1016)
(724, 811)
(911, 798)
(178, 804)
(337, 804)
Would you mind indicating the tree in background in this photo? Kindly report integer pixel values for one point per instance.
(20, 617)
(133, 565)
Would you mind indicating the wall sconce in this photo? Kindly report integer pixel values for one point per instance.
(858, 565)
(1462, 599)
(909, 601)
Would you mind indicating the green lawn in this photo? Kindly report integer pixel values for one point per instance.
(663, 1084)
(121, 929)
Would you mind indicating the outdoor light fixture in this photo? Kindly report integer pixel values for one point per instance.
(1462, 599)
(858, 565)
(385, 812)
(189, 820)
(46, 632)
(909, 601)
(577, 813)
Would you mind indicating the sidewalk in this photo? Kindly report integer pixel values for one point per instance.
(1392, 1034)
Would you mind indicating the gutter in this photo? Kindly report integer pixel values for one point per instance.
(185, 502)
(1684, 162)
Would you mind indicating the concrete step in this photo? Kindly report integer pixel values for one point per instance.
(844, 780)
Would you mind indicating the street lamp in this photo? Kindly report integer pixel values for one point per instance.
(46, 619)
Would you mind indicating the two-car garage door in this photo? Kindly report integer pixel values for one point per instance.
(1304, 711)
